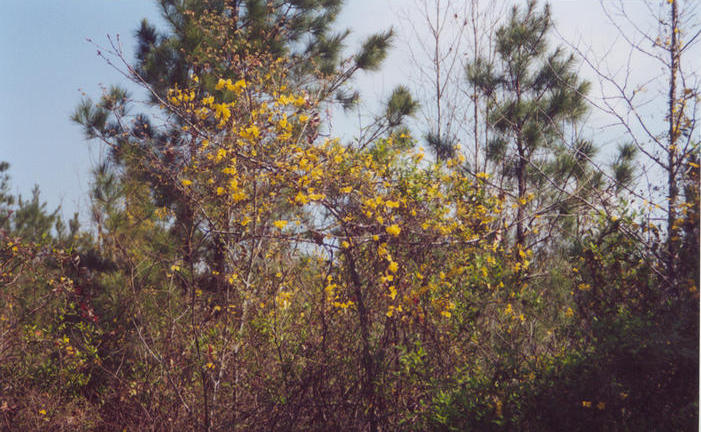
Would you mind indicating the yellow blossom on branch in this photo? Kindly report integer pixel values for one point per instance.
(393, 230)
(280, 224)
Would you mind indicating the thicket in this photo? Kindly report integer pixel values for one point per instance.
(245, 270)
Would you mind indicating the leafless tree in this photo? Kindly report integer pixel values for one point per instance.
(657, 112)
(446, 37)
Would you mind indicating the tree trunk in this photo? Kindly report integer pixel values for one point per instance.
(673, 159)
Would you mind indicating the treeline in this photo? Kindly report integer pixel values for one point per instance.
(245, 270)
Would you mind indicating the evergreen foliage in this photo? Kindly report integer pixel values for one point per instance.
(535, 98)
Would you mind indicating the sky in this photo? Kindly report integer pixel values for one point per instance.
(47, 66)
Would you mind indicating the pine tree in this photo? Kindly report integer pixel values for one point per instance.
(222, 40)
(30, 219)
(141, 207)
(6, 198)
(207, 37)
(536, 97)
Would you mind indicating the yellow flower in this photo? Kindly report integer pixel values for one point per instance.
(186, 182)
(393, 230)
(251, 131)
(221, 153)
(238, 85)
(509, 310)
(393, 267)
(301, 198)
(280, 224)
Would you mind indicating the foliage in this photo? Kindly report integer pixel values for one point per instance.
(536, 100)
(246, 272)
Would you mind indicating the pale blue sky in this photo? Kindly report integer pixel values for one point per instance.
(47, 63)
